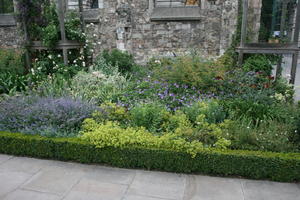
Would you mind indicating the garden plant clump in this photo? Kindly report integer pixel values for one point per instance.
(156, 107)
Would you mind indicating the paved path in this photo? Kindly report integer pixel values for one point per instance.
(34, 179)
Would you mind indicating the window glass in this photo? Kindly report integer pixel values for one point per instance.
(176, 3)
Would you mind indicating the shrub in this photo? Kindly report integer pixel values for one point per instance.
(213, 111)
(43, 115)
(258, 63)
(123, 60)
(12, 69)
(269, 135)
(100, 64)
(258, 109)
(98, 87)
(11, 61)
(171, 95)
(112, 135)
(192, 71)
(151, 116)
(111, 112)
(248, 164)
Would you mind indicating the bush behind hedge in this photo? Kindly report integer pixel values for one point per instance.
(249, 164)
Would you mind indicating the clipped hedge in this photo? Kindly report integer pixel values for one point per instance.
(250, 164)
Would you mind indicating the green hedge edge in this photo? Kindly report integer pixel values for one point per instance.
(284, 167)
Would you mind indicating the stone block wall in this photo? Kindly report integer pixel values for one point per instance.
(127, 25)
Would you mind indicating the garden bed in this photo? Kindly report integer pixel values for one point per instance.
(283, 167)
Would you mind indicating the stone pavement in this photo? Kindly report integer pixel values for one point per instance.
(34, 179)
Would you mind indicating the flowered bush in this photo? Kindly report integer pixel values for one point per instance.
(44, 115)
(172, 95)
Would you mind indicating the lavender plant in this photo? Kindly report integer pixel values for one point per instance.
(47, 116)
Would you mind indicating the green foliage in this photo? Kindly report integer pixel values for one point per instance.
(258, 63)
(122, 60)
(111, 134)
(11, 83)
(269, 135)
(111, 112)
(151, 116)
(50, 63)
(100, 64)
(98, 87)
(192, 71)
(11, 61)
(73, 27)
(50, 35)
(12, 68)
(249, 164)
(213, 111)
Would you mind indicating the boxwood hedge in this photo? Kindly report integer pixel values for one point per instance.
(250, 164)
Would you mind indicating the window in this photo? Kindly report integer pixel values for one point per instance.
(176, 3)
(6, 6)
(96, 3)
(175, 10)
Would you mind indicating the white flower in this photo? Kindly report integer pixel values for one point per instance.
(92, 50)
(98, 42)
(59, 56)
(83, 64)
(74, 61)
(95, 35)
(157, 61)
(92, 24)
(50, 56)
(53, 62)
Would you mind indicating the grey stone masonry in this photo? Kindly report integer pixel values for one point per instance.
(146, 31)
(140, 28)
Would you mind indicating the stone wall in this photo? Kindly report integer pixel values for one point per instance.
(127, 25)
(9, 37)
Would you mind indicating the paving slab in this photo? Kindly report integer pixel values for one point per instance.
(213, 188)
(22, 164)
(158, 185)
(4, 158)
(136, 197)
(264, 190)
(112, 175)
(56, 179)
(30, 195)
(9, 181)
(88, 189)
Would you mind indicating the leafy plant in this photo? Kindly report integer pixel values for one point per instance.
(43, 115)
(111, 134)
(122, 60)
(258, 63)
(269, 135)
(98, 87)
(151, 116)
(191, 71)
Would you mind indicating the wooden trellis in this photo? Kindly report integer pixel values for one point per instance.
(63, 44)
(290, 47)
